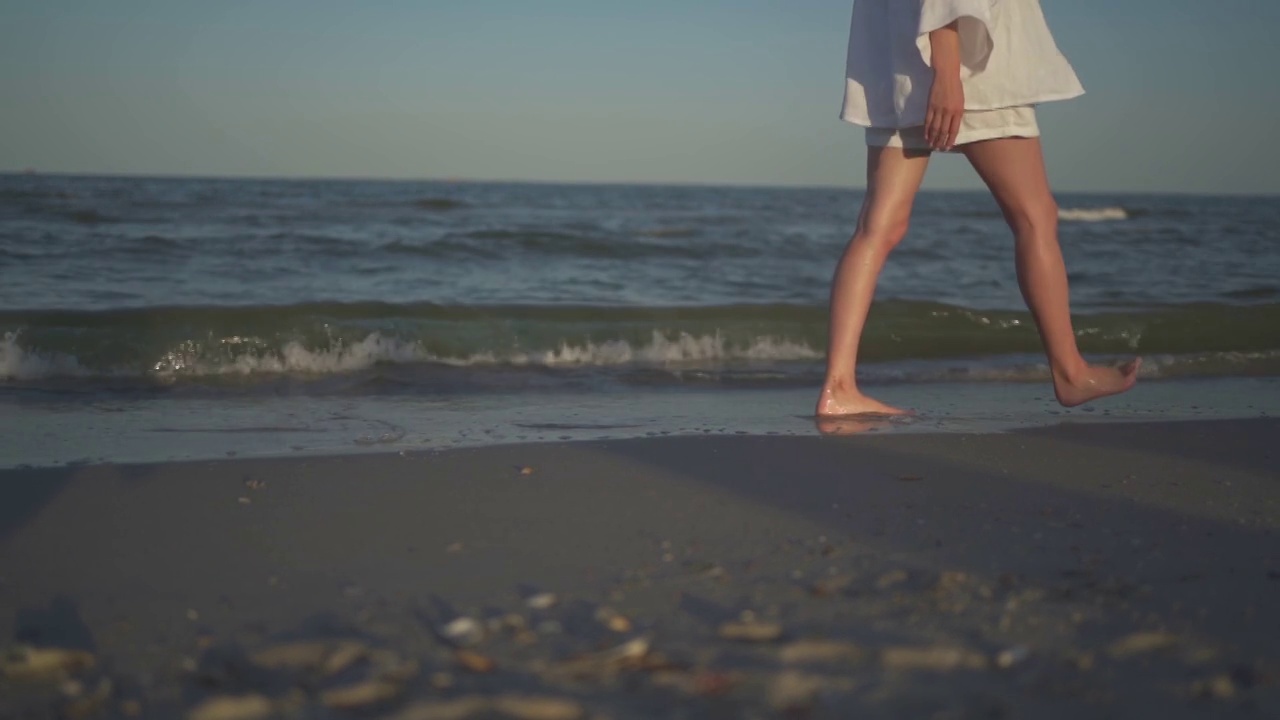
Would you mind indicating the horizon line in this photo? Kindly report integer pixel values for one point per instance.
(32, 172)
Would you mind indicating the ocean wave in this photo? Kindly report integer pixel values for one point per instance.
(439, 204)
(18, 363)
(682, 360)
(164, 344)
(1100, 214)
(89, 217)
(295, 358)
(1111, 213)
(668, 232)
(492, 244)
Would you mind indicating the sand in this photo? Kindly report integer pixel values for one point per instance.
(1111, 570)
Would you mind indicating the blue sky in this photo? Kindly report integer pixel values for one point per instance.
(1182, 93)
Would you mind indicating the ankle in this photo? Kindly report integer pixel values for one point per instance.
(1071, 372)
(840, 386)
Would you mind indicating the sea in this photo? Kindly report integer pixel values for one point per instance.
(146, 319)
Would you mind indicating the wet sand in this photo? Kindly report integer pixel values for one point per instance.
(1110, 570)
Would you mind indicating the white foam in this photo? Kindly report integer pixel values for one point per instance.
(685, 349)
(296, 358)
(17, 363)
(661, 350)
(1103, 214)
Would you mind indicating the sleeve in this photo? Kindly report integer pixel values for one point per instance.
(974, 26)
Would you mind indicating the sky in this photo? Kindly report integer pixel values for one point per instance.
(1182, 95)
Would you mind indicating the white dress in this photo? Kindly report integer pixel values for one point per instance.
(1009, 62)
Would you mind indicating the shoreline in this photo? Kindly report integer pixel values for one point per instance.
(1086, 569)
(67, 431)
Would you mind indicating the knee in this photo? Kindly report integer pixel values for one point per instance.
(1033, 220)
(882, 233)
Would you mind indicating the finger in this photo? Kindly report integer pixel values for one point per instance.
(933, 127)
(940, 131)
(953, 132)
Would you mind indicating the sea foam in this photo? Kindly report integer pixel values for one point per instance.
(1103, 214)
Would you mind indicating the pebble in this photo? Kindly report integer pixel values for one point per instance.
(750, 631)
(1139, 643)
(1012, 656)
(474, 662)
(891, 578)
(604, 664)
(361, 695)
(793, 693)
(936, 658)
(511, 707)
(542, 601)
(537, 708)
(829, 586)
(463, 631)
(232, 707)
(44, 664)
(1218, 687)
(804, 652)
(612, 620)
(342, 656)
(88, 705)
(629, 651)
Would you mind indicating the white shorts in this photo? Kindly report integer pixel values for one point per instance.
(974, 126)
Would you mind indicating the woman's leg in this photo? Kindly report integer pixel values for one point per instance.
(893, 177)
(1013, 169)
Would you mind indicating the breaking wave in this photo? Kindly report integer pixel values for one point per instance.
(162, 346)
(1102, 214)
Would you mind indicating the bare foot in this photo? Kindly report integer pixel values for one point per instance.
(832, 403)
(849, 425)
(1096, 382)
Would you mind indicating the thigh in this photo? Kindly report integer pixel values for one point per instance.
(894, 175)
(1013, 169)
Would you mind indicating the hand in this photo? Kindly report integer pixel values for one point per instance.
(946, 108)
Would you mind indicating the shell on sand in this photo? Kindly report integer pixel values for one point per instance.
(804, 652)
(327, 658)
(542, 601)
(361, 695)
(86, 705)
(750, 631)
(44, 664)
(630, 654)
(232, 707)
(935, 658)
(473, 661)
(463, 631)
(513, 707)
(1140, 642)
(537, 708)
